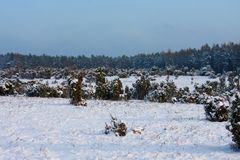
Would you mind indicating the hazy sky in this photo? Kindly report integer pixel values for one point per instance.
(115, 27)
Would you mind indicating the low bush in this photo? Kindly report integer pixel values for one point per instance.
(216, 109)
(116, 126)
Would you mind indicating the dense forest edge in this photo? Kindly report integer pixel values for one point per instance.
(222, 58)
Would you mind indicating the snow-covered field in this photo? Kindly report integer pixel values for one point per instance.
(41, 128)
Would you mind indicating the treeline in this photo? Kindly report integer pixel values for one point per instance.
(225, 57)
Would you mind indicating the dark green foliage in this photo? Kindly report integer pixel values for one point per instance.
(102, 88)
(170, 90)
(43, 90)
(116, 89)
(216, 109)
(77, 93)
(234, 126)
(221, 58)
(107, 90)
(141, 88)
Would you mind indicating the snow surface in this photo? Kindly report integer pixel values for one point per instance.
(42, 128)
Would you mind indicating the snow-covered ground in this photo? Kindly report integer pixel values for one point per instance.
(41, 128)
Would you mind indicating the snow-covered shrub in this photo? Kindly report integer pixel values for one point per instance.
(107, 90)
(201, 98)
(87, 91)
(163, 92)
(39, 72)
(200, 89)
(236, 82)
(210, 88)
(157, 95)
(122, 73)
(33, 91)
(206, 71)
(183, 95)
(178, 73)
(216, 109)
(9, 87)
(102, 86)
(234, 118)
(2, 90)
(214, 85)
(116, 126)
(116, 89)
(141, 88)
(77, 96)
(43, 90)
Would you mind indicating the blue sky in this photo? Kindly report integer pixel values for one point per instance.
(111, 27)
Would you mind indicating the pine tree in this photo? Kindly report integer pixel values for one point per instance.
(102, 89)
(77, 93)
(142, 87)
(116, 89)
